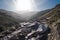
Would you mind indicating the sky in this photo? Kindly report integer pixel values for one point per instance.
(28, 5)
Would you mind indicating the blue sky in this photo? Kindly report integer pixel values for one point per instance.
(40, 5)
(49, 4)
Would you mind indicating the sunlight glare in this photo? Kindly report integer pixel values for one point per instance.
(24, 5)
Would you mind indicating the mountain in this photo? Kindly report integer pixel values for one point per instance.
(6, 20)
(9, 18)
(53, 12)
(15, 16)
(24, 16)
(53, 20)
(51, 17)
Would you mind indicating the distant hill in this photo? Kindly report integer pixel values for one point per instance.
(24, 16)
(6, 20)
(40, 13)
(11, 15)
(4, 17)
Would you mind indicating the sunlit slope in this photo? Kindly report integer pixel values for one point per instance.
(53, 20)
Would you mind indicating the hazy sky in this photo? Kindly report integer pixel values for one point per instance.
(21, 5)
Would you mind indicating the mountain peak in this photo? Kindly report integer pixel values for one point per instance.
(57, 5)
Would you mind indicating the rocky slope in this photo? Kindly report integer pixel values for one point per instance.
(53, 20)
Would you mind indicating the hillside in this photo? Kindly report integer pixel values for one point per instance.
(6, 21)
(53, 20)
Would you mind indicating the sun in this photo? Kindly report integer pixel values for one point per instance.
(23, 5)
